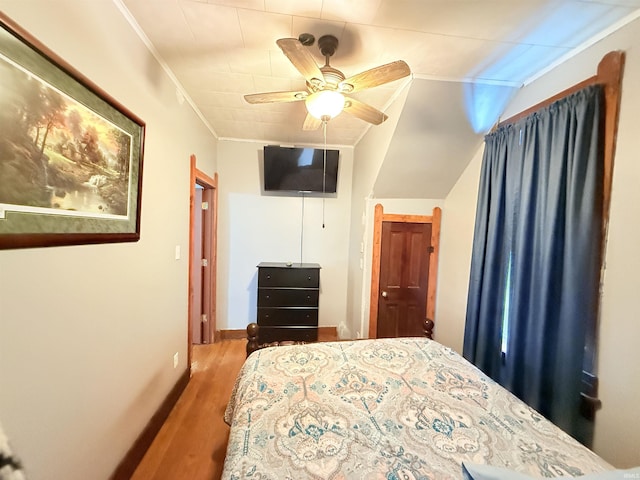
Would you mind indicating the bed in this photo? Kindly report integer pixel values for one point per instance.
(402, 408)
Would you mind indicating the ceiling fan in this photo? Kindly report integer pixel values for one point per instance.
(327, 88)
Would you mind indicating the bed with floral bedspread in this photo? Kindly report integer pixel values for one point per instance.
(405, 408)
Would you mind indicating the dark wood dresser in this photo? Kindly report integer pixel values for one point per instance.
(288, 301)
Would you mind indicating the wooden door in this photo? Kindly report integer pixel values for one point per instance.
(404, 277)
(207, 208)
(202, 263)
(197, 278)
(376, 292)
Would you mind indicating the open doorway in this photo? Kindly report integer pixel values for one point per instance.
(202, 257)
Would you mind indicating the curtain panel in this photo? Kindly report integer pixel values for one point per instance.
(535, 269)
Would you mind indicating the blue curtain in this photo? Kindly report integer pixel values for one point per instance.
(535, 268)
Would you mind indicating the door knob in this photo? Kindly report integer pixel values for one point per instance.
(384, 295)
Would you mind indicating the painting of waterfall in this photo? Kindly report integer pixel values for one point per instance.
(56, 154)
(70, 156)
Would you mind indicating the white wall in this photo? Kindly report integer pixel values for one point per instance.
(254, 227)
(368, 157)
(617, 434)
(456, 239)
(88, 333)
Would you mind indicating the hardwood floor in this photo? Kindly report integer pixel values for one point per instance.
(192, 443)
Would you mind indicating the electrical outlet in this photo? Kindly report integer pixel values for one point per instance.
(175, 360)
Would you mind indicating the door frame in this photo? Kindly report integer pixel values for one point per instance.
(210, 194)
(379, 217)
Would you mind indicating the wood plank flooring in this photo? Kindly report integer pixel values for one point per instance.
(192, 443)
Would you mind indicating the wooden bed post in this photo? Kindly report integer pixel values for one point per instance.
(427, 327)
(252, 338)
(254, 344)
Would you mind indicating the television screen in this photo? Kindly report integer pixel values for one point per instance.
(300, 169)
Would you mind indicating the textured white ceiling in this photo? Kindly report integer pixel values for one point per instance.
(220, 50)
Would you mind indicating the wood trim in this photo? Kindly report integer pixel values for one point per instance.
(205, 180)
(401, 218)
(433, 264)
(379, 217)
(610, 71)
(134, 456)
(327, 333)
(375, 270)
(232, 334)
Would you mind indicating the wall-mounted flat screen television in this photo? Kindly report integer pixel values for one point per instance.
(300, 169)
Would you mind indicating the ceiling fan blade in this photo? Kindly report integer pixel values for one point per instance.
(364, 112)
(375, 76)
(301, 59)
(275, 97)
(311, 123)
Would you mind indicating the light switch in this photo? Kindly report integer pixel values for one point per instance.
(177, 252)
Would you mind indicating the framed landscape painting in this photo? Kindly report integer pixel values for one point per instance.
(70, 155)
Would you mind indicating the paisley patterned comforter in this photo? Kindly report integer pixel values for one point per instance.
(405, 408)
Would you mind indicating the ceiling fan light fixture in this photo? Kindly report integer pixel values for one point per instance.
(326, 87)
(325, 103)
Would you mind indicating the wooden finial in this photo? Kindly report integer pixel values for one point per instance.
(427, 326)
(252, 338)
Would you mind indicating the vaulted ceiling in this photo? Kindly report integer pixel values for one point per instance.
(467, 58)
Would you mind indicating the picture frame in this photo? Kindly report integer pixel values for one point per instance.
(70, 155)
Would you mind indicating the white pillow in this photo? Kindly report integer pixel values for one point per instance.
(473, 471)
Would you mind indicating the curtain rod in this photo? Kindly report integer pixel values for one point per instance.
(607, 68)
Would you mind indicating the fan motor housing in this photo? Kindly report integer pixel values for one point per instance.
(328, 44)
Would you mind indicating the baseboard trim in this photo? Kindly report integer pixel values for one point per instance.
(327, 334)
(132, 459)
(233, 334)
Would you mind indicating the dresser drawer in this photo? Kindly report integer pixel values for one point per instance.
(290, 297)
(288, 317)
(288, 277)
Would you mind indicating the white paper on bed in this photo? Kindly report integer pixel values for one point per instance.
(388, 409)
